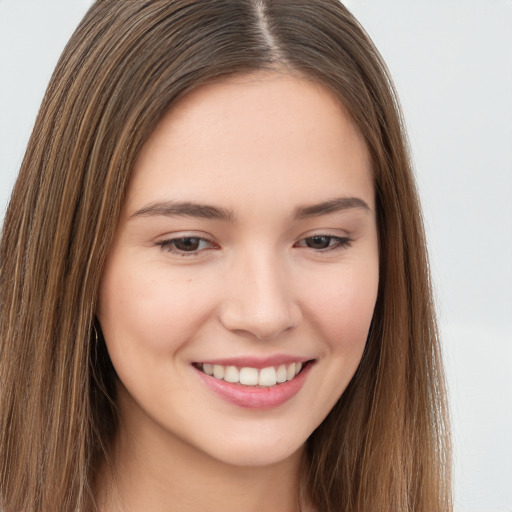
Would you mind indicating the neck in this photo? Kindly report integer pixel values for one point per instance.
(152, 470)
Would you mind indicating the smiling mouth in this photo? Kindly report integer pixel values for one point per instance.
(254, 377)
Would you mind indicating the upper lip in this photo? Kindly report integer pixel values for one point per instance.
(256, 362)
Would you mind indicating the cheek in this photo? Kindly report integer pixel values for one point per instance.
(342, 309)
(150, 311)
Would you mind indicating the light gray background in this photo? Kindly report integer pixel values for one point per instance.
(452, 64)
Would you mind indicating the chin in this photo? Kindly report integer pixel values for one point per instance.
(259, 456)
(256, 451)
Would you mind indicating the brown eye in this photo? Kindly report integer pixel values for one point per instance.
(324, 243)
(187, 244)
(318, 242)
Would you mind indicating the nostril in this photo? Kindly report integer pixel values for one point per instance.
(264, 321)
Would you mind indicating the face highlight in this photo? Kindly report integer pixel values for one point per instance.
(240, 287)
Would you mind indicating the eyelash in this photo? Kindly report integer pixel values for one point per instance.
(339, 242)
(170, 244)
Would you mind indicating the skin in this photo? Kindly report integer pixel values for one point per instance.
(257, 284)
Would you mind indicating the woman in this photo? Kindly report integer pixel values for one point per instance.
(215, 290)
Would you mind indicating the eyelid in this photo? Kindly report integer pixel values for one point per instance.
(343, 242)
(168, 244)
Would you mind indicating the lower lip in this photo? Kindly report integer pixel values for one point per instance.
(256, 397)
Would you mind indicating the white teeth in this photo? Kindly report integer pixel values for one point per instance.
(265, 377)
(281, 373)
(249, 376)
(218, 371)
(290, 372)
(208, 369)
(231, 374)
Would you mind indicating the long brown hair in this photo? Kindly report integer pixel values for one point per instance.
(385, 445)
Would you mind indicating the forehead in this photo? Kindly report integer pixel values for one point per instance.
(265, 134)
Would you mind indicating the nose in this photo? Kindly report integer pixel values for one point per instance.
(258, 299)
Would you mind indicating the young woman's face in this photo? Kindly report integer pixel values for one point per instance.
(248, 249)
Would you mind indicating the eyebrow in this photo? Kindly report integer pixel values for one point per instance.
(332, 206)
(185, 209)
(205, 211)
